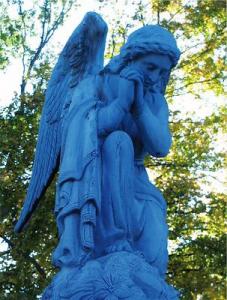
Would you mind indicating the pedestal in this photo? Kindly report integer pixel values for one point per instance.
(120, 275)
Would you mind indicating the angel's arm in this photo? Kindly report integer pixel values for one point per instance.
(152, 123)
(111, 115)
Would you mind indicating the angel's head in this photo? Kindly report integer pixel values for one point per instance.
(152, 50)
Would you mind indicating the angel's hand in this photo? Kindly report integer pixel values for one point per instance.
(126, 93)
(134, 75)
(156, 88)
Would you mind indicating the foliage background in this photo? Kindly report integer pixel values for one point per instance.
(191, 176)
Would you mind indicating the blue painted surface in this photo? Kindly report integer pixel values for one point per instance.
(100, 123)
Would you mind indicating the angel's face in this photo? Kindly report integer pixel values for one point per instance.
(154, 67)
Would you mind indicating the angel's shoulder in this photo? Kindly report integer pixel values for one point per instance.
(110, 85)
(88, 83)
(86, 87)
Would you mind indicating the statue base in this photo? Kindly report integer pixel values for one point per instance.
(119, 275)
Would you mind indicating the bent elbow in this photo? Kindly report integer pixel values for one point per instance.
(161, 149)
(164, 150)
(162, 153)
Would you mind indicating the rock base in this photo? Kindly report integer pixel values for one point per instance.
(120, 275)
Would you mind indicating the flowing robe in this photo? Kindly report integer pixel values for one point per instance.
(103, 188)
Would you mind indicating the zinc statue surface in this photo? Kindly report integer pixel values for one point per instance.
(98, 123)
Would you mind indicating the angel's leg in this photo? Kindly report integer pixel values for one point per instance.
(117, 191)
(69, 251)
(152, 240)
(65, 253)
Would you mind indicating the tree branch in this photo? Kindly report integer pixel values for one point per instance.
(24, 36)
(4, 252)
(46, 34)
(195, 82)
(176, 13)
(40, 270)
(181, 255)
(208, 48)
(158, 13)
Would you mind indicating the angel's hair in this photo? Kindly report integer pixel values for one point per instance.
(146, 40)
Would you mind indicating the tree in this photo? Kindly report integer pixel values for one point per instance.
(196, 265)
(24, 274)
(195, 211)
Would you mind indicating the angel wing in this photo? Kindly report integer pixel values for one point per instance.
(82, 55)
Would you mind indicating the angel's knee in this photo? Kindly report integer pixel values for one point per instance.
(118, 141)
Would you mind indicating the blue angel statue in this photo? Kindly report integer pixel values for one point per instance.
(98, 123)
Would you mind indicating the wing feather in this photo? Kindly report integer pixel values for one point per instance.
(81, 56)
